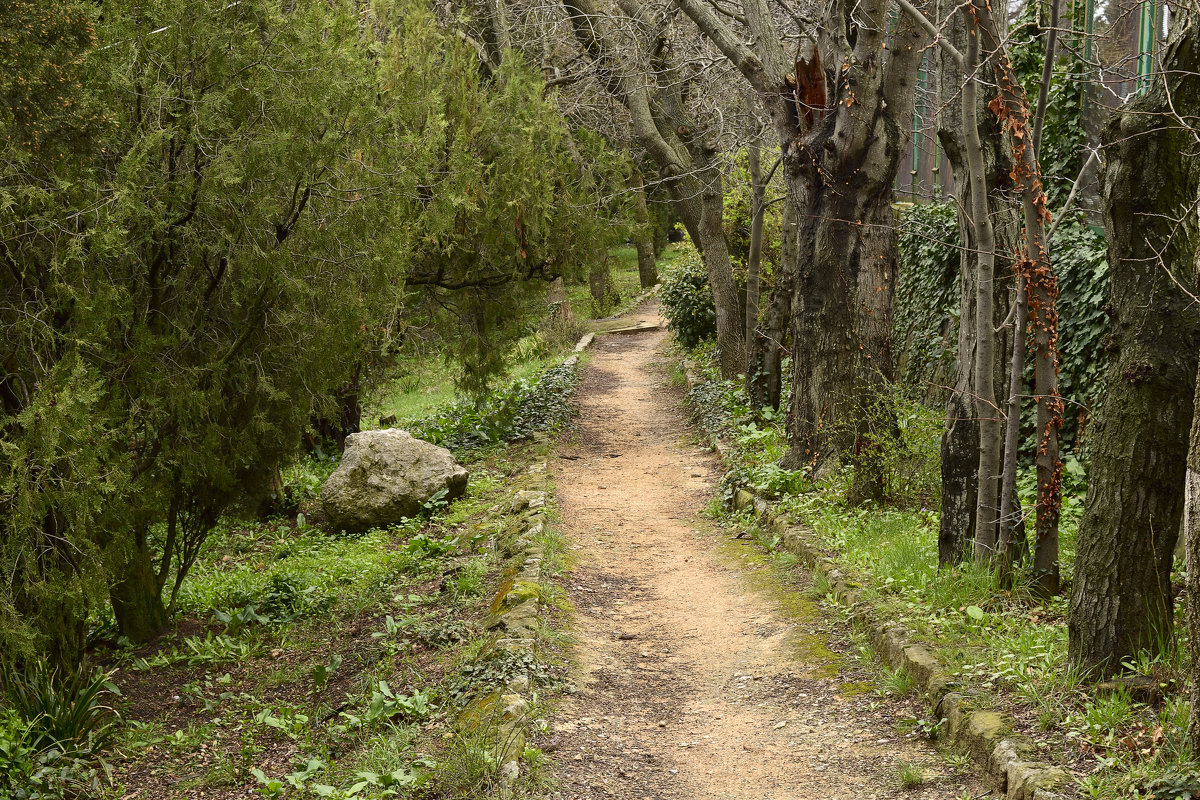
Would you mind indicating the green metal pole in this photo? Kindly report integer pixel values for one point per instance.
(1089, 31)
(1147, 34)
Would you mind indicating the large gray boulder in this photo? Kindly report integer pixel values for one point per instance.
(386, 476)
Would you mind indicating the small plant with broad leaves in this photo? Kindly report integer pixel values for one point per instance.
(1174, 786)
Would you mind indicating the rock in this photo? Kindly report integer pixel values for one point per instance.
(527, 499)
(1142, 688)
(388, 421)
(386, 476)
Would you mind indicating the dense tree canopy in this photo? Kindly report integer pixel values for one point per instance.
(246, 194)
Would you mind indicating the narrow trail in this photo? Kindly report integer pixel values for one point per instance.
(696, 677)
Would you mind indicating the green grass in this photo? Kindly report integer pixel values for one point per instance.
(392, 606)
(909, 775)
(623, 269)
(427, 386)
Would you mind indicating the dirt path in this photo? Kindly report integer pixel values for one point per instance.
(697, 679)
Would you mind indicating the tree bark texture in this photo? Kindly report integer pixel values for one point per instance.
(599, 281)
(960, 438)
(840, 174)
(1191, 534)
(644, 77)
(137, 595)
(643, 235)
(1038, 279)
(1121, 601)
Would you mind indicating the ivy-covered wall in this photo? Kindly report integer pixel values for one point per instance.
(925, 321)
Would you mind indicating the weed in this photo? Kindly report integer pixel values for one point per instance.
(469, 770)
(959, 762)
(910, 775)
(897, 682)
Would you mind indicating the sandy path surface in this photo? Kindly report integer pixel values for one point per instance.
(695, 680)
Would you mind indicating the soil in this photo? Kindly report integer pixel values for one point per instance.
(698, 673)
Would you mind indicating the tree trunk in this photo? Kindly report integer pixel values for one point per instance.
(960, 438)
(1010, 512)
(853, 113)
(764, 368)
(599, 280)
(841, 336)
(136, 595)
(643, 235)
(988, 411)
(348, 409)
(562, 316)
(758, 194)
(1121, 601)
(843, 112)
(1191, 534)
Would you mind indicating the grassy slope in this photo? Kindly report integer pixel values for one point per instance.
(393, 611)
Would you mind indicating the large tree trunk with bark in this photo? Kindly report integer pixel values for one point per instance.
(843, 128)
(1121, 601)
(841, 337)
(840, 175)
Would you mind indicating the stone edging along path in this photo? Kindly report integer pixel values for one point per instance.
(1004, 758)
(503, 716)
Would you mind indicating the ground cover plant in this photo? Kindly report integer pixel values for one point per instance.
(307, 664)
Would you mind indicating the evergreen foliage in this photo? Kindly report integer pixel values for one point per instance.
(194, 274)
(687, 299)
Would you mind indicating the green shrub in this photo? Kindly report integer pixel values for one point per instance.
(525, 406)
(687, 300)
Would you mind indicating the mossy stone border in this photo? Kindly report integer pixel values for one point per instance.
(513, 618)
